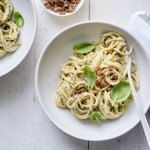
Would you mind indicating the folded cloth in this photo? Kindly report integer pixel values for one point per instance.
(139, 26)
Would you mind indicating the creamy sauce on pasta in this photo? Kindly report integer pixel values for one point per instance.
(9, 31)
(108, 60)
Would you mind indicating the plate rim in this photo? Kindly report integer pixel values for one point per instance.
(37, 85)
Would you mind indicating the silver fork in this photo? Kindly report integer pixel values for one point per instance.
(139, 107)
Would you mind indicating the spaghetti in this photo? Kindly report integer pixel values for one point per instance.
(9, 31)
(108, 61)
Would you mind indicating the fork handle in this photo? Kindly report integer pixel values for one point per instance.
(140, 110)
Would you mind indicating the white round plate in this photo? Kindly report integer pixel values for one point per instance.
(47, 74)
(27, 34)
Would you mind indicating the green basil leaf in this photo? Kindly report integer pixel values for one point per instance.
(84, 48)
(90, 76)
(95, 116)
(121, 91)
(18, 19)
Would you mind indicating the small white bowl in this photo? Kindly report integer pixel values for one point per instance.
(57, 52)
(67, 14)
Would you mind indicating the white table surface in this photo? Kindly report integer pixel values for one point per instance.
(23, 124)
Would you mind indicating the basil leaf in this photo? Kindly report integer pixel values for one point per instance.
(121, 91)
(18, 19)
(95, 116)
(90, 76)
(84, 48)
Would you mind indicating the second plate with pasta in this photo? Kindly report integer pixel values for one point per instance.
(17, 32)
(79, 75)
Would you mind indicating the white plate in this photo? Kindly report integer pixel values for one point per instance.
(57, 52)
(27, 9)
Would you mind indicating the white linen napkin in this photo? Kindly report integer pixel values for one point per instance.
(139, 26)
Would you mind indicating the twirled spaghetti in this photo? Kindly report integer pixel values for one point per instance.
(108, 61)
(9, 31)
(5, 10)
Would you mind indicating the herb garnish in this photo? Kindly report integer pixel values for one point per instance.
(18, 19)
(90, 76)
(121, 91)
